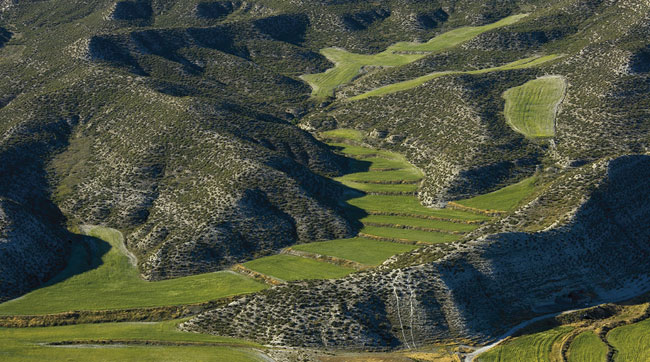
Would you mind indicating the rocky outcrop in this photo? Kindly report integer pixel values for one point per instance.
(491, 284)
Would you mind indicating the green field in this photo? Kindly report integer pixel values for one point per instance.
(364, 251)
(410, 234)
(587, 347)
(374, 187)
(383, 176)
(530, 348)
(289, 267)
(114, 283)
(632, 342)
(348, 65)
(505, 199)
(344, 133)
(21, 344)
(417, 222)
(531, 108)
(415, 82)
(409, 205)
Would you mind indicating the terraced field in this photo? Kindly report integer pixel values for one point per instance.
(415, 82)
(532, 347)
(348, 65)
(121, 342)
(587, 347)
(531, 108)
(101, 274)
(631, 342)
(101, 277)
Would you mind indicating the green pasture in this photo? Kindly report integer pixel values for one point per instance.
(418, 222)
(364, 251)
(28, 344)
(587, 347)
(99, 277)
(505, 199)
(530, 348)
(531, 108)
(348, 65)
(631, 342)
(410, 205)
(289, 267)
(410, 234)
(374, 187)
(416, 82)
(343, 133)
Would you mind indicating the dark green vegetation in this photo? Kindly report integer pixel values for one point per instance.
(531, 108)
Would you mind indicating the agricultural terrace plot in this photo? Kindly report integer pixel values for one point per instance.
(364, 251)
(410, 234)
(380, 188)
(20, 344)
(531, 108)
(385, 220)
(348, 65)
(344, 133)
(631, 342)
(359, 151)
(505, 199)
(416, 82)
(531, 347)
(289, 267)
(110, 281)
(410, 205)
(411, 175)
(587, 347)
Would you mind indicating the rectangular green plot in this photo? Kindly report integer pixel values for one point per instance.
(410, 175)
(366, 187)
(364, 251)
(289, 267)
(361, 151)
(505, 199)
(384, 163)
(410, 205)
(110, 281)
(632, 342)
(346, 133)
(418, 222)
(530, 347)
(531, 108)
(410, 234)
(587, 347)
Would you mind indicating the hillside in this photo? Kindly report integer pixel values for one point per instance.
(393, 176)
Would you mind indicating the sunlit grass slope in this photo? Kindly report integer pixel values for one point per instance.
(531, 108)
(348, 65)
(110, 281)
(415, 82)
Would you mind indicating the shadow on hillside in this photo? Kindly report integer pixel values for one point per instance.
(86, 255)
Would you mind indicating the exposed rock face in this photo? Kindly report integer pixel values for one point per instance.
(488, 286)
